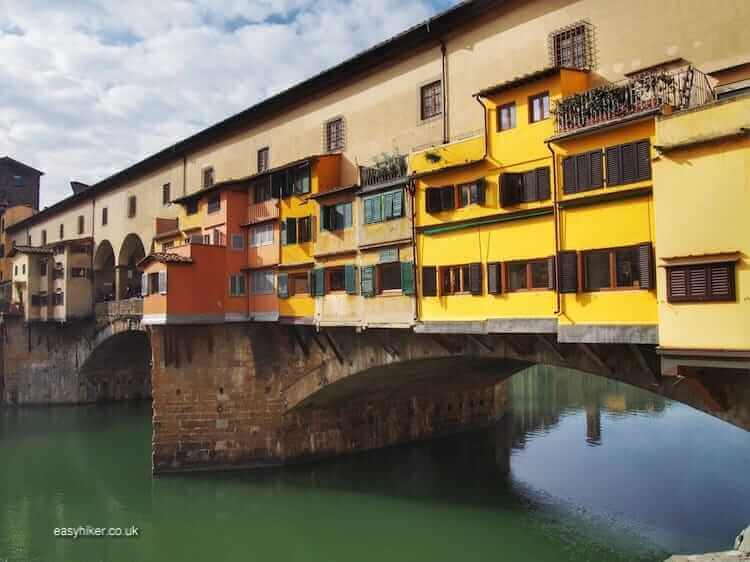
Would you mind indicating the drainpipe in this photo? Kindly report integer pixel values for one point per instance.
(486, 113)
(444, 60)
(556, 215)
(411, 187)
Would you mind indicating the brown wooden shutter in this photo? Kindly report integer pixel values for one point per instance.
(614, 165)
(494, 285)
(643, 160)
(447, 197)
(597, 179)
(432, 200)
(475, 278)
(481, 191)
(542, 183)
(629, 163)
(677, 288)
(510, 191)
(698, 282)
(722, 280)
(567, 270)
(528, 191)
(429, 281)
(583, 171)
(570, 178)
(645, 265)
(551, 273)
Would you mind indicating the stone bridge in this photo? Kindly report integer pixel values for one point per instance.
(106, 357)
(247, 395)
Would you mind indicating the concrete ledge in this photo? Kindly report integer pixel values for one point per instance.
(265, 317)
(237, 317)
(597, 333)
(298, 320)
(459, 327)
(163, 319)
(522, 325)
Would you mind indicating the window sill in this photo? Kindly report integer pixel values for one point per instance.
(532, 290)
(391, 293)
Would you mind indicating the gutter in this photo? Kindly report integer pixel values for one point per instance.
(556, 212)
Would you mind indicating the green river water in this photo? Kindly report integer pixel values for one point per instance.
(582, 469)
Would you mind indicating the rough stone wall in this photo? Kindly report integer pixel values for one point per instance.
(49, 363)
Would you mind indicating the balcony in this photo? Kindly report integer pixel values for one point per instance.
(389, 171)
(641, 95)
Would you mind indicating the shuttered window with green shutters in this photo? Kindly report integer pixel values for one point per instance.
(350, 278)
(407, 277)
(319, 282)
(367, 280)
(384, 206)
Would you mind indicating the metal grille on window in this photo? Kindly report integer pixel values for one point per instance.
(431, 96)
(263, 159)
(335, 135)
(573, 46)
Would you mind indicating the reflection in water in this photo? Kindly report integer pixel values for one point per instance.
(581, 468)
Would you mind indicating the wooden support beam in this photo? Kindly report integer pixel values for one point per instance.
(319, 343)
(643, 363)
(479, 341)
(511, 342)
(591, 354)
(389, 349)
(300, 341)
(446, 344)
(551, 347)
(334, 347)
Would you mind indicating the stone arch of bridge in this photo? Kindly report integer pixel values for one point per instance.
(128, 280)
(350, 366)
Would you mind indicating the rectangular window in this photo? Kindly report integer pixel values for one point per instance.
(81, 224)
(336, 217)
(389, 276)
(431, 100)
(299, 284)
(261, 235)
(526, 187)
(237, 242)
(455, 279)
(166, 198)
(335, 135)
(583, 172)
(539, 107)
(471, 193)
(571, 47)
(701, 282)
(214, 202)
(383, 206)
(336, 279)
(62, 231)
(43, 268)
(79, 272)
(208, 177)
(153, 283)
(105, 216)
(58, 299)
(131, 206)
(440, 199)
(528, 275)
(300, 178)
(262, 190)
(237, 285)
(305, 229)
(18, 181)
(44, 237)
(263, 159)
(218, 238)
(262, 282)
(617, 268)
(191, 207)
(629, 163)
(506, 117)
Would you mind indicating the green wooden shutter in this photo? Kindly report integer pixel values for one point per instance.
(347, 213)
(367, 280)
(291, 231)
(398, 204)
(475, 278)
(320, 281)
(407, 277)
(283, 233)
(368, 210)
(481, 191)
(144, 284)
(429, 281)
(311, 282)
(388, 206)
(567, 272)
(350, 278)
(283, 286)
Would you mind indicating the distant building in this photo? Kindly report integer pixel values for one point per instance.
(19, 184)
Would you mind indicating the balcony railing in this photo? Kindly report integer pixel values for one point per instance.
(387, 171)
(677, 90)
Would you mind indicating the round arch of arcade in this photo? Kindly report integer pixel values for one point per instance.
(115, 273)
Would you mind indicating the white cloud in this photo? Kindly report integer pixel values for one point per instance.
(90, 87)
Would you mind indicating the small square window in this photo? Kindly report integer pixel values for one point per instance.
(131, 206)
(506, 117)
(18, 181)
(208, 177)
(104, 216)
(81, 224)
(263, 159)
(335, 135)
(572, 46)
(336, 279)
(431, 100)
(539, 107)
(166, 198)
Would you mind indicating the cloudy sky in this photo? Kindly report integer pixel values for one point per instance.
(88, 87)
